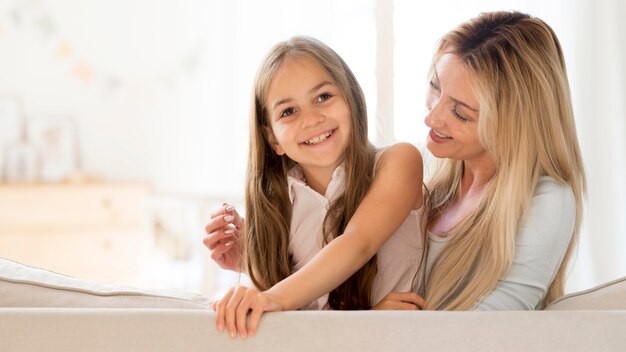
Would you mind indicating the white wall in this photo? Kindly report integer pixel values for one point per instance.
(160, 89)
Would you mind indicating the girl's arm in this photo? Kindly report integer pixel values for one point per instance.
(395, 191)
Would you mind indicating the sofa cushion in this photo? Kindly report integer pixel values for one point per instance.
(25, 286)
(609, 296)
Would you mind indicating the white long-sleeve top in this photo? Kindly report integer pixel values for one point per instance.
(539, 249)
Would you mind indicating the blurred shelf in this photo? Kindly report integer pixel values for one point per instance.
(95, 231)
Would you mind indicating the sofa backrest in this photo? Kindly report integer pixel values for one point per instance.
(609, 296)
(25, 286)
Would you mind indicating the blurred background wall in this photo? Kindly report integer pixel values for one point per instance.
(157, 93)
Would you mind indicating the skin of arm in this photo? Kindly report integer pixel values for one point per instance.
(395, 191)
(397, 188)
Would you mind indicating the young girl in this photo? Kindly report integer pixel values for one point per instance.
(320, 199)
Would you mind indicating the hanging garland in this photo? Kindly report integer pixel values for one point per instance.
(31, 15)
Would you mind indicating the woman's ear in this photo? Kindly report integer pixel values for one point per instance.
(271, 139)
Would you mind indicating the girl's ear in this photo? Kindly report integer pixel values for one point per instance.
(269, 135)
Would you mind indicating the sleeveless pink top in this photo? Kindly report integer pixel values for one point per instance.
(398, 258)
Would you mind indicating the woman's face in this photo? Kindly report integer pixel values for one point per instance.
(453, 112)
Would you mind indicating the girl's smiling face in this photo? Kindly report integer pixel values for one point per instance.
(309, 118)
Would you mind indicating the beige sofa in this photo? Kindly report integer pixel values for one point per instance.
(44, 311)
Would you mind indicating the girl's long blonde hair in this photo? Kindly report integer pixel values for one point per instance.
(268, 208)
(526, 123)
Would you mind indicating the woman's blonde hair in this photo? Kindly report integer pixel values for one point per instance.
(526, 123)
(268, 208)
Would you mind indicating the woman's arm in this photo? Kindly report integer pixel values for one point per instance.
(395, 191)
(539, 249)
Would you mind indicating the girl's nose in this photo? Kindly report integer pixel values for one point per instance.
(311, 117)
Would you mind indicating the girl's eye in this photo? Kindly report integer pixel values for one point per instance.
(287, 112)
(458, 116)
(323, 97)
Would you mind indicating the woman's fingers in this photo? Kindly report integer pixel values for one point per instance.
(213, 239)
(401, 301)
(413, 298)
(219, 222)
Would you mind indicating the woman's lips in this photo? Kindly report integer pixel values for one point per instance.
(438, 137)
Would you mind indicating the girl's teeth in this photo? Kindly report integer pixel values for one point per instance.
(319, 138)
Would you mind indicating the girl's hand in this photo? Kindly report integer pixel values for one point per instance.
(223, 237)
(232, 310)
(401, 301)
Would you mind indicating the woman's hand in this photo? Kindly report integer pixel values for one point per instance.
(232, 310)
(401, 301)
(223, 237)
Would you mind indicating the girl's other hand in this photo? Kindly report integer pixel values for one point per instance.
(233, 309)
(222, 238)
(401, 301)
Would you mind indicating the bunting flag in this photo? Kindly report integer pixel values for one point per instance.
(32, 15)
(83, 72)
(64, 50)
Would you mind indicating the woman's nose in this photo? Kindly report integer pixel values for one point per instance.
(434, 117)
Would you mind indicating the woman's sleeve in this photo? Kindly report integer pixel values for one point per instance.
(539, 249)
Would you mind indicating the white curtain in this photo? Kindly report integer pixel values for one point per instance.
(598, 80)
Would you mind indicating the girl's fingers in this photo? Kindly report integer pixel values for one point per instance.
(231, 309)
(242, 312)
(221, 309)
(255, 317)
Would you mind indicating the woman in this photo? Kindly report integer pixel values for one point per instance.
(506, 198)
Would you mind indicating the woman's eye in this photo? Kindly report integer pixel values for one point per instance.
(458, 116)
(287, 112)
(434, 86)
(324, 97)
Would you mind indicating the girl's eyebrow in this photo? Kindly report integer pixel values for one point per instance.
(319, 86)
(460, 102)
(314, 89)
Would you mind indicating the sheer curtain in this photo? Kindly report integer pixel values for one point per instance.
(593, 36)
(598, 80)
